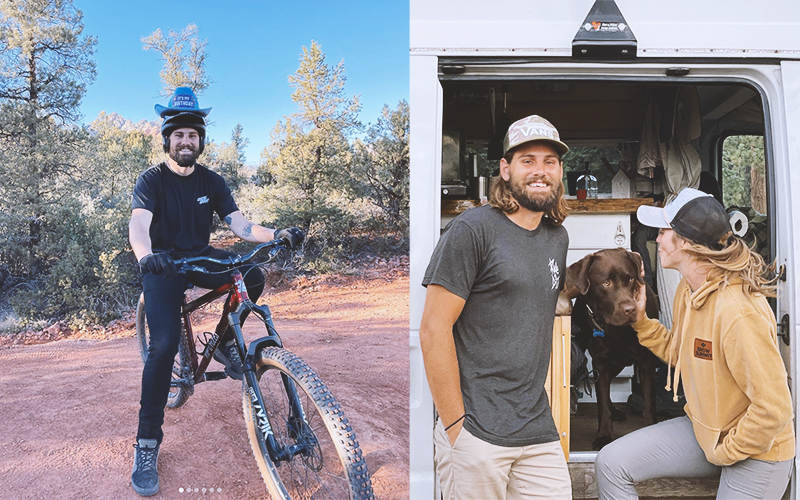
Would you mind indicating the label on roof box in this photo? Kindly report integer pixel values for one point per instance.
(605, 27)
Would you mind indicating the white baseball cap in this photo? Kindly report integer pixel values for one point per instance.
(692, 214)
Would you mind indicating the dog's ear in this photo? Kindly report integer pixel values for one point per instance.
(637, 261)
(577, 279)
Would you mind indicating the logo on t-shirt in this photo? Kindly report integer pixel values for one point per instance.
(702, 349)
(202, 200)
(554, 273)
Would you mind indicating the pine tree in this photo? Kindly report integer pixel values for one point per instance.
(184, 57)
(381, 166)
(228, 159)
(307, 160)
(45, 66)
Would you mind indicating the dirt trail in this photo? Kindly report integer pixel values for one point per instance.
(68, 414)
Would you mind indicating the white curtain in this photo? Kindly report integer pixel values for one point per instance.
(682, 169)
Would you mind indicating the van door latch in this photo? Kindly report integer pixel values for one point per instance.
(619, 236)
(453, 69)
(783, 329)
(677, 71)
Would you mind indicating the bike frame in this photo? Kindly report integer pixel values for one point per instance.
(236, 304)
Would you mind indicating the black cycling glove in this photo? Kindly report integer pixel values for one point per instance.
(294, 235)
(158, 263)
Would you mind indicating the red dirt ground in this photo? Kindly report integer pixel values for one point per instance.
(69, 412)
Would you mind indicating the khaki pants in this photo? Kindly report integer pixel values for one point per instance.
(473, 469)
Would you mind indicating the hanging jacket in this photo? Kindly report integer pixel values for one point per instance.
(723, 345)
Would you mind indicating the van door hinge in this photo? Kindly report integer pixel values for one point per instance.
(783, 329)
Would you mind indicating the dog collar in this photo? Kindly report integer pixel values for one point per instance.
(599, 331)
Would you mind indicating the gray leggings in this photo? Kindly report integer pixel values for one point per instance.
(669, 449)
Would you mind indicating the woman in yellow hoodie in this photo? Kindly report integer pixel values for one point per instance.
(739, 420)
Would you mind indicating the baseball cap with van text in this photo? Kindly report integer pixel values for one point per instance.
(533, 128)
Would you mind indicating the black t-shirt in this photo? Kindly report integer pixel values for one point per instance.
(182, 206)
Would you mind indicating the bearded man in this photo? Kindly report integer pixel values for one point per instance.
(172, 213)
(486, 332)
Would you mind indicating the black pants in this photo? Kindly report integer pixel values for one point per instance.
(163, 299)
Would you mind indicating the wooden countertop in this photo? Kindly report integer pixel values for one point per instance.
(596, 205)
(607, 205)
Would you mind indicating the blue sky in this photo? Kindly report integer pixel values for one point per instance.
(253, 46)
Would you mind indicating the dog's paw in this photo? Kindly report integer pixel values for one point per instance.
(600, 441)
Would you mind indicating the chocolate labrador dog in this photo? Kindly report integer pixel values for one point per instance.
(605, 285)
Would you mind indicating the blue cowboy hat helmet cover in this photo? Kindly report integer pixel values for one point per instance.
(182, 100)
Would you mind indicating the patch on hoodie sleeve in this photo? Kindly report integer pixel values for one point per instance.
(702, 349)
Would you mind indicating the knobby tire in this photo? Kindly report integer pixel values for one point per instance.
(337, 471)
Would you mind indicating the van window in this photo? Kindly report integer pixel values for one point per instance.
(601, 161)
(743, 172)
(744, 187)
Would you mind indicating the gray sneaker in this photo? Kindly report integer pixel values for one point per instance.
(145, 468)
(228, 355)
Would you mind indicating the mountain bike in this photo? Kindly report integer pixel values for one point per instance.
(302, 441)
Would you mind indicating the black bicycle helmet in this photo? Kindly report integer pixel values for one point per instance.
(183, 119)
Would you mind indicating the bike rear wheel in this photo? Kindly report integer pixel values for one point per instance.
(334, 468)
(177, 395)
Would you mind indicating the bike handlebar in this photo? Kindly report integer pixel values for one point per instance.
(186, 264)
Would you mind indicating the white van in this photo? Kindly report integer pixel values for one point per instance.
(723, 77)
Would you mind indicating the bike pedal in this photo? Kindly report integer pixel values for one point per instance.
(181, 382)
(214, 375)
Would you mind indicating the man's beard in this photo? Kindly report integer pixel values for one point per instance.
(184, 158)
(535, 202)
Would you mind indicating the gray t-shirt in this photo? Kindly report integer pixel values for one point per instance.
(510, 278)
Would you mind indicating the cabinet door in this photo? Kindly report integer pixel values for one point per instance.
(591, 232)
(557, 382)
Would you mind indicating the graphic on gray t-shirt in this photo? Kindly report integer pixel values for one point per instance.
(510, 278)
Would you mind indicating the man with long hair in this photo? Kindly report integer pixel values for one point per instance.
(487, 326)
(723, 346)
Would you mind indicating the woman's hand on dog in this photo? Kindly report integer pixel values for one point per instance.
(641, 298)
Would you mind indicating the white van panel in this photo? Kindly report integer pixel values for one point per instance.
(426, 153)
(521, 27)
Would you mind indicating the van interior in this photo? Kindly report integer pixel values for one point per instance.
(638, 139)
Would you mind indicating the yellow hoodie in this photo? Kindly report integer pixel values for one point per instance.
(723, 342)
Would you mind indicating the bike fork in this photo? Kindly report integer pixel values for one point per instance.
(297, 419)
(269, 445)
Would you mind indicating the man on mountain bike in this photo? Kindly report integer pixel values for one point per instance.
(172, 213)
(487, 328)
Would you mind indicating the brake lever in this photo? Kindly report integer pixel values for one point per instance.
(185, 268)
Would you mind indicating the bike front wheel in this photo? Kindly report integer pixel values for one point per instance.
(332, 466)
(177, 394)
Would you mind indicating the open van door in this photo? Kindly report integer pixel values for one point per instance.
(789, 244)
